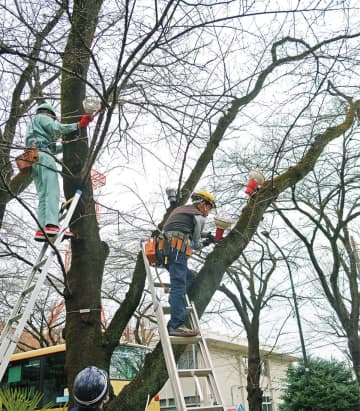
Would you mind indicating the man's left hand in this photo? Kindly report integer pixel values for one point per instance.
(210, 239)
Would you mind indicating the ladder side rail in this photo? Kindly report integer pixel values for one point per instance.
(165, 341)
(192, 319)
(171, 367)
(211, 381)
(43, 274)
(16, 307)
(199, 389)
(206, 357)
(68, 216)
(195, 323)
(206, 364)
(14, 338)
(212, 385)
(8, 347)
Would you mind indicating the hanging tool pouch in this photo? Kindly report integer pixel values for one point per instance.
(164, 250)
(181, 242)
(150, 251)
(25, 161)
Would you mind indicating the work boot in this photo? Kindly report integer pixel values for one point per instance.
(51, 230)
(182, 331)
(39, 236)
(68, 234)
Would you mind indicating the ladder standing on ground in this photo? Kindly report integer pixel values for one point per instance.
(175, 374)
(25, 304)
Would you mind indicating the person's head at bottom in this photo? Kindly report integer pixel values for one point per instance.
(91, 387)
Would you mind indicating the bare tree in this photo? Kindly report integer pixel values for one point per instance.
(248, 287)
(327, 205)
(170, 64)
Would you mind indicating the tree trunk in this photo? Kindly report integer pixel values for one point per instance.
(254, 368)
(85, 345)
(354, 348)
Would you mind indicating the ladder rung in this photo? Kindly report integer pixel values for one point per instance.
(22, 309)
(206, 408)
(28, 290)
(184, 340)
(40, 264)
(162, 285)
(166, 309)
(203, 372)
(15, 318)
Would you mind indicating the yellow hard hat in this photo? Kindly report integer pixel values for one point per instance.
(198, 196)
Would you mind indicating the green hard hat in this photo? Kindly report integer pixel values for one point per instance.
(46, 106)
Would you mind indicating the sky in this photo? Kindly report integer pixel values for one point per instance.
(134, 175)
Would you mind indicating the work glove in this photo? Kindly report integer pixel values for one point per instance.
(85, 120)
(210, 239)
(206, 242)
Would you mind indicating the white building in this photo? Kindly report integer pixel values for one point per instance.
(229, 358)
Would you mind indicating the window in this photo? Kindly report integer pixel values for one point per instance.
(245, 362)
(45, 374)
(264, 368)
(168, 404)
(193, 400)
(126, 362)
(266, 404)
(188, 360)
(54, 379)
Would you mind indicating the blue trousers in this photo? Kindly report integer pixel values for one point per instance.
(181, 279)
(46, 181)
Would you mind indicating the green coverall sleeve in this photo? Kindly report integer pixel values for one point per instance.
(55, 128)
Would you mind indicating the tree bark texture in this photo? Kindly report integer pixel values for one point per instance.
(85, 345)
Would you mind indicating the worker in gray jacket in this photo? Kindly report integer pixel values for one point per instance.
(183, 231)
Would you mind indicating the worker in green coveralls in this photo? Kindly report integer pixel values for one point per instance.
(43, 131)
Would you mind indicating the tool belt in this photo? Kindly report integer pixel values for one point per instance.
(176, 240)
(164, 243)
(25, 161)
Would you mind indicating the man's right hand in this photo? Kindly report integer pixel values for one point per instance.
(85, 120)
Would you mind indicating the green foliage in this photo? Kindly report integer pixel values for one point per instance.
(331, 388)
(21, 399)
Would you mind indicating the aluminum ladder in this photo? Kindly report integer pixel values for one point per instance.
(206, 372)
(21, 311)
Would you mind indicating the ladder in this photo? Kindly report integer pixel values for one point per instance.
(211, 402)
(22, 309)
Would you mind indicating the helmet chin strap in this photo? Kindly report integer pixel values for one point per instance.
(202, 208)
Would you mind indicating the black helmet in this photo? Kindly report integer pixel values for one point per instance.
(91, 386)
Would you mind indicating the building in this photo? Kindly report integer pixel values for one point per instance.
(229, 358)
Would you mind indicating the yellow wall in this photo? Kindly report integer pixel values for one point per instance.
(118, 385)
